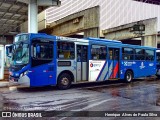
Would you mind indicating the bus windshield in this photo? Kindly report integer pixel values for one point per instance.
(20, 55)
(22, 37)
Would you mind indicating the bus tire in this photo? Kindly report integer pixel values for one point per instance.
(128, 76)
(64, 81)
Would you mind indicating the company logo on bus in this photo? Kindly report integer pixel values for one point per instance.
(142, 65)
(91, 65)
(95, 65)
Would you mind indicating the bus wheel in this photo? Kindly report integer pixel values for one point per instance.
(128, 76)
(64, 81)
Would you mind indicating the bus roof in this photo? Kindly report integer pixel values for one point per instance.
(116, 43)
(138, 46)
(102, 40)
(89, 39)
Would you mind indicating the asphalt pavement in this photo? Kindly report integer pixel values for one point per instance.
(140, 95)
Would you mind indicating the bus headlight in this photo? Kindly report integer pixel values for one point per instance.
(21, 75)
(26, 72)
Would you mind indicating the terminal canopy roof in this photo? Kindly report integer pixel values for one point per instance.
(13, 13)
(157, 2)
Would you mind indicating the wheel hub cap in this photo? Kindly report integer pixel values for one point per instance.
(65, 81)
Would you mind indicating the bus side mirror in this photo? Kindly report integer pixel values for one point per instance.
(9, 50)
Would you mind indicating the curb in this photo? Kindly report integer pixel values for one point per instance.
(4, 84)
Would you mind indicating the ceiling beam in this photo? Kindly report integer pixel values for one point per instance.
(13, 12)
(7, 24)
(18, 20)
(15, 2)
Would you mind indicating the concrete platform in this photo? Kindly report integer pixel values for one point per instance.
(4, 84)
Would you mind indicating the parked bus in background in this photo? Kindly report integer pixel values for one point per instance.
(1, 62)
(158, 63)
(41, 59)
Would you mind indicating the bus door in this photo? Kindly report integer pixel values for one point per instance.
(113, 63)
(82, 64)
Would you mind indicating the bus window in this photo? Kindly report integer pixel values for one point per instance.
(140, 54)
(128, 53)
(113, 54)
(149, 55)
(42, 53)
(65, 50)
(116, 54)
(98, 52)
(39, 51)
(158, 57)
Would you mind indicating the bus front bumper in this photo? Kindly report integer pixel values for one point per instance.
(20, 82)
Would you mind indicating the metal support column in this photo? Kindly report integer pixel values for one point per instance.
(32, 16)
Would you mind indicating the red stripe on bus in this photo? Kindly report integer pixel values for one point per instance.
(115, 71)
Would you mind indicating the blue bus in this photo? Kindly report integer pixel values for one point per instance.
(41, 59)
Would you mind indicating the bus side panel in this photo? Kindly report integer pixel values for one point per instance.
(139, 68)
(150, 68)
(127, 65)
(53, 80)
(71, 68)
(142, 69)
(41, 75)
(31, 77)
